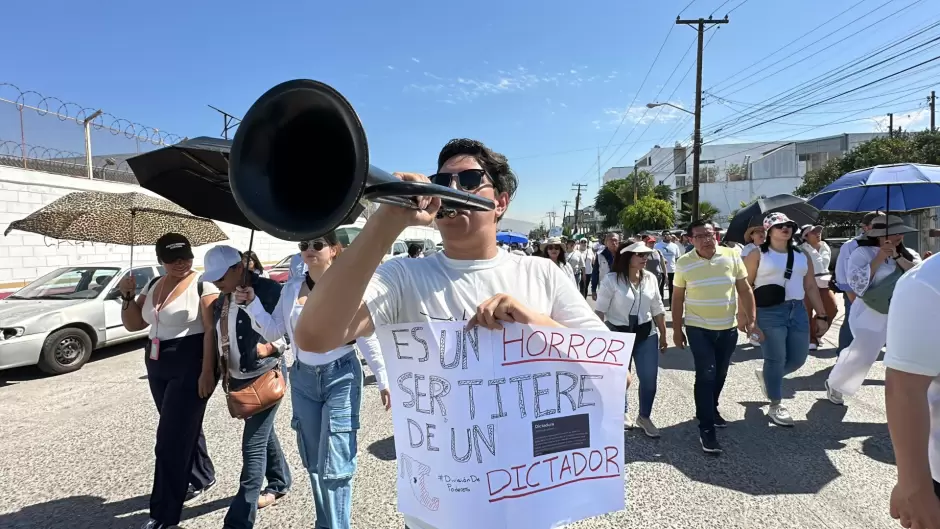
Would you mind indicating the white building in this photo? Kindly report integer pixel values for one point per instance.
(25, 257)
(733, 173)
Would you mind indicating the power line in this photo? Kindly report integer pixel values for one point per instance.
(889, 76)
(714, 86)
(827, 48)
(733, 9)
(815, 84)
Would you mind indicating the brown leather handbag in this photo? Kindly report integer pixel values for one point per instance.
(263, 393)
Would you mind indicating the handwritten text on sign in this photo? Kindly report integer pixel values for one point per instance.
(521, 427)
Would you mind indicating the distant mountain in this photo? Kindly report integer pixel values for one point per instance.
(519, 226)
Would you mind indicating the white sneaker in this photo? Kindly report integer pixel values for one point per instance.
(812, 346)
(627, 421)
(753, 342)
(759, 373)
(834, 396)
(780, 415)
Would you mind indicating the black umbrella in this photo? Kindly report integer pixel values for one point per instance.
(796, 208)
(193, 174)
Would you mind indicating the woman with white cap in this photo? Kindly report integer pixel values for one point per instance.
(629, 301)
(819, 252)
(326, 389)
(554, 250)
(872, 272)
(782, 277)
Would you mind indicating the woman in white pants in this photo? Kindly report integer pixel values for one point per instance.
(873, 269)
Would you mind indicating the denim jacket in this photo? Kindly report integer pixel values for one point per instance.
(268, 292)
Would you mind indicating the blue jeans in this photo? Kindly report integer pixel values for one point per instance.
(786, 343)
(262, 458)
(845, 332)
(326, 401)
(711, 351)
(646, 358)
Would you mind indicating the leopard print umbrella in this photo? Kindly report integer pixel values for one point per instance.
(132, 219)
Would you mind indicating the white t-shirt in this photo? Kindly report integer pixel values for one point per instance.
(912, 346)
(772, 268)
(178, 318)
(671, 252)
(442, 289)
(820, 259)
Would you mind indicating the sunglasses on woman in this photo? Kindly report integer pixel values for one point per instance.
(467, 180)
(316, 245)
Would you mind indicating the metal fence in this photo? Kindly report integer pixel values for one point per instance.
(45, 133)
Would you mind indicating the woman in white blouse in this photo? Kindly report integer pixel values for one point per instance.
(325, 388)
(754, 237)
(629, 301)
(180, 359)
(554, 251)
(873, 269)
(820, 254)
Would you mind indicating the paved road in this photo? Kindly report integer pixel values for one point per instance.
(77, 454)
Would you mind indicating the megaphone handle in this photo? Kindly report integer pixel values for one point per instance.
(405, 190)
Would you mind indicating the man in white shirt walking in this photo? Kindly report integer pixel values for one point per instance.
(670, 252)
(469, 280)
(912, 395)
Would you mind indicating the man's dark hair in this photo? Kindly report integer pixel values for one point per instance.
(700, 223)
(495, 164)
(413, 250)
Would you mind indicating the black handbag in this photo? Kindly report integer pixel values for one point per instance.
(771, 295)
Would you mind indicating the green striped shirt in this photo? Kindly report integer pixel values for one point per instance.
(710, 297)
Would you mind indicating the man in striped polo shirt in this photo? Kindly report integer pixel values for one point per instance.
(705, 285)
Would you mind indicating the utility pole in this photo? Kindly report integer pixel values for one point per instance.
(599, 183)
(551, 218)
(577, 205)
(564, 211)
(697, 135)
(890, 125)
(635, 185)
(933, 111)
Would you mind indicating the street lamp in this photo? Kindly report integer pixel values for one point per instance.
(654, 105)
(87, 124)
(696, 148)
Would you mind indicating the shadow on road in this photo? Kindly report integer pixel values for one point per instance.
(756, 452)
(93, 512)
(17, 375)
(384, 449)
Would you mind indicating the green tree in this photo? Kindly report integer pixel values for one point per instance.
(664, 192)
(608, 202)
(706, 210)
(648, 213)
(538, 233)
(639, 185)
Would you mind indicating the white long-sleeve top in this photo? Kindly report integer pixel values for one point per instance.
(858, 269)
(619, 300)
(284, 319)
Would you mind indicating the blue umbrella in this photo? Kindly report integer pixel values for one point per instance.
(897, 187)
(509, 237)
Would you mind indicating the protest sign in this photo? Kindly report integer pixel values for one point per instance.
(520, 427)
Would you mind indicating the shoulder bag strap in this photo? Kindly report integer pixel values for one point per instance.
(152, 281)
(224, 342)
(199, 288)
(788, 273)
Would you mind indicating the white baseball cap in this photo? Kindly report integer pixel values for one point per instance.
(217, 262)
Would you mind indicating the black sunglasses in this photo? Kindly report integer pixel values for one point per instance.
(316, 245)
(467, 180)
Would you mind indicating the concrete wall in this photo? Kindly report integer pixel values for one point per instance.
(24, 256)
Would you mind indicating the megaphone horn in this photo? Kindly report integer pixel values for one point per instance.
(299, 165)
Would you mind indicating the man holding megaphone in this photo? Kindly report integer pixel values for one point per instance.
(470, 280)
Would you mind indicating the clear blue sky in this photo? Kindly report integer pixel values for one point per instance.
(543, 82)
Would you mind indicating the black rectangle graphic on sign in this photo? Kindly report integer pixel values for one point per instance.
(561, 434)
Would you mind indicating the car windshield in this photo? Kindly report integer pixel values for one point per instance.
(78, 282)
(283, 263)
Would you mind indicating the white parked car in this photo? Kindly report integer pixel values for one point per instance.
(56, 321)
